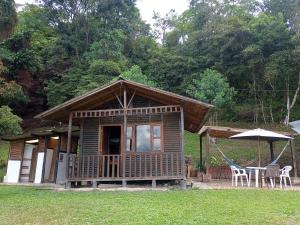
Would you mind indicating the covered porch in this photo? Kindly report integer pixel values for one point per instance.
(121, 160)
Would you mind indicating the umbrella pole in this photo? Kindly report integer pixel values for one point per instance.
(259, 158)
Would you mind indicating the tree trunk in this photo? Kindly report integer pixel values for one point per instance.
(263, 111)
(271, 114)
(290, 105)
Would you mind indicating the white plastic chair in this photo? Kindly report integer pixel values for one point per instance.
(285, 173)
(236, 173)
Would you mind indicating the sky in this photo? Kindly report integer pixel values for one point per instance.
(148, 6)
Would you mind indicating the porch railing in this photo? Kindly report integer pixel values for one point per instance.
(137, 166)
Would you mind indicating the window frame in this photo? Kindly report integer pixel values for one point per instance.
(156, 138)
(132, 138)
(152, 138)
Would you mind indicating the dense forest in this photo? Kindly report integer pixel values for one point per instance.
(243, 56)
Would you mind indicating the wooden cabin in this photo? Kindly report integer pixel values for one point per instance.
(128, 131)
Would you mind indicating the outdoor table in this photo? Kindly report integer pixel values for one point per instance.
(256, 169)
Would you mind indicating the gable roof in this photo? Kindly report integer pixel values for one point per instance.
(195, 111)
(227, 132)
(41, 131)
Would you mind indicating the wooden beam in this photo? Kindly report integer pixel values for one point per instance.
(207, 154)
(292, 146)
(182, 142)
(129, 111)
(131, 99)
(201, 153)
(119, 100)
(44, 159)
(57, 158)
(124, 131)
(69, 145)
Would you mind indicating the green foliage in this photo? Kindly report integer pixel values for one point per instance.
(32, 19)
(71, 47)
(16, 54)
(211, 86)
(11, 93)
(9, 123)
(8, 18)
(135, 74)
(109, 47)
(78, 80)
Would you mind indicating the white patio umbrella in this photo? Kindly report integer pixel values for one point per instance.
(295, 126)
(260, 135)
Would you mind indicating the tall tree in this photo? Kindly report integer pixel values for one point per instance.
(8, 18)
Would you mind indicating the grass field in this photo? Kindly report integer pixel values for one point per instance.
(28, 205)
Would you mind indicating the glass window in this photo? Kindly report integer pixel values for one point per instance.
(156, 144)
(129, 145)
(129, 139)
(129, 132)
(156, 131)
(156, 138)
(143, 138)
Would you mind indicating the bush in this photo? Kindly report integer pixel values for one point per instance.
(9, 122)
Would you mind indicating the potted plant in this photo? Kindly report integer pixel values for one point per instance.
(214, 166)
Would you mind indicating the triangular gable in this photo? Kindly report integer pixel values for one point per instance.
(195, 111)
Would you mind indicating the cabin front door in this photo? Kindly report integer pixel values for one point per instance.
(111, 140)
(111, 150)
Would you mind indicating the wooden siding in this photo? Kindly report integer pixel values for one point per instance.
(137, 101)
(172, 142)
(171, 130)
(90, 136)
(41, 144)
(52, 144)
(16, 150)
(166, 164)
(33, 164)
(64, 141)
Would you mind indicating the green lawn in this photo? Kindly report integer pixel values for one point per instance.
(28, 205)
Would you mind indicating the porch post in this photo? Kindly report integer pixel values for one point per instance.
(124, 134)
(57, 158)
(292, 146)
(201, 153)
(44, 160)
(183, 182)
(68, 147)
(207, 154)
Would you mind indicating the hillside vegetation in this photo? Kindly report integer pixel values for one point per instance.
(241, 56)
